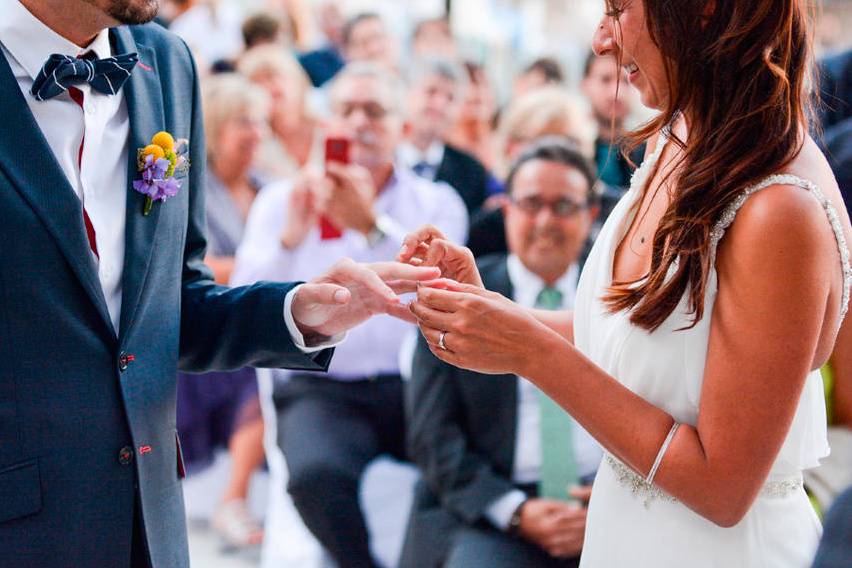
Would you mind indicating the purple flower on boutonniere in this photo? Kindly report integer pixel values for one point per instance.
(159, 163)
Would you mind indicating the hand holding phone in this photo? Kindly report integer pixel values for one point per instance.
(336, 150)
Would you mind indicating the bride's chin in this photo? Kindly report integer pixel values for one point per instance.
(651, 97)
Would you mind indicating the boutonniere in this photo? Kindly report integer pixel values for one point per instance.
(160, 162)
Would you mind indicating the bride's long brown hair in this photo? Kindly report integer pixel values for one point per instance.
(740, 71)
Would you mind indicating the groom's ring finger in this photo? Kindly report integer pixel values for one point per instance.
(441, 340)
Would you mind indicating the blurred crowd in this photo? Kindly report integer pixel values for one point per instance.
(315, 153)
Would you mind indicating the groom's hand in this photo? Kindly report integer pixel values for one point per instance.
(350, 293)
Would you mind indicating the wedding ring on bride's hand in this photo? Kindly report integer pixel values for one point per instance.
(441, 340)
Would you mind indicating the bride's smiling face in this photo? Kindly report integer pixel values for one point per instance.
(623, 33)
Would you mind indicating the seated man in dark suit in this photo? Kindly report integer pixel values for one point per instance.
(506, 473)
(838, 145)
(435, 93)
(836, 89)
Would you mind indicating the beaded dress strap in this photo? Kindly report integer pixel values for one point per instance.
(786, 179)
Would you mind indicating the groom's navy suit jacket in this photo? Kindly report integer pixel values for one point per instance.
(87, 416)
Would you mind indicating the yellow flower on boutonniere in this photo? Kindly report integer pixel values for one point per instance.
(154, 150)
(159, 162)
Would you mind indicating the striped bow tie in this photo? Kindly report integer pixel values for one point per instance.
(62, 71)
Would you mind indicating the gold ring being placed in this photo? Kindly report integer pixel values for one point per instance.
(441, 340)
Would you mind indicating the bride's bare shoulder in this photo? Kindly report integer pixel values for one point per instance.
(787, 205)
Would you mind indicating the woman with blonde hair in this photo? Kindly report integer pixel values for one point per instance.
(546, 111)
(293, 128)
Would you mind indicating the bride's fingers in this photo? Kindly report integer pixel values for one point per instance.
(447, 298)
(438, 250)
(412, 241)
(431, 318)
(433, 338)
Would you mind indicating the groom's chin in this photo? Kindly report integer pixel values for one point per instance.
(130, 12)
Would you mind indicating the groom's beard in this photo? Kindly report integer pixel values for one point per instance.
(128, 12)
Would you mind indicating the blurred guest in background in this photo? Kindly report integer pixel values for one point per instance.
(838, 143)
(835, 547)
(222, 409)
(323, 63)
(293, 129)
(543, 72)
(212, 29)
(548, 111)
(474, 129)
(434, 38)
(435, 92)
(330, 427)
(612, 99)
(836, 89)
(498, 456)
(263, 29)
(366, 39)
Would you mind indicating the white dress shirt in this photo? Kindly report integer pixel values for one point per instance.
(409, 155)
(101, 179)
(101, 182)
(406, 203)
(527, 465)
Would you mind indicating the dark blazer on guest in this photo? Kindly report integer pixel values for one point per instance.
(87, 416)
(835, 547)
(462, 438)
(836, 89)
(466, 175)
(838, 143)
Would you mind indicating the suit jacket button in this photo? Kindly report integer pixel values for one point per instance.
(125, 455)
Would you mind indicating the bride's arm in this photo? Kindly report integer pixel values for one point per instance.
(766, 325)
(562, 321)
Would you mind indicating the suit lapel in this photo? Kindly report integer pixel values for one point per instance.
(144, 97)
(497, 280)
(29, 162)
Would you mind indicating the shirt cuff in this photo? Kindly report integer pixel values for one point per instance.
(500, 512)
(297, 336)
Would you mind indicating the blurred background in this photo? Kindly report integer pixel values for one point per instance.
(445, 95)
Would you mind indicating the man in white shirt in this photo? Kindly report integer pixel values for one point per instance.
(331, 427)
(105, 294)
(506, 473)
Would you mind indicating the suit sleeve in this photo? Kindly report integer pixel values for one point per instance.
(227, 328)
(464, 482)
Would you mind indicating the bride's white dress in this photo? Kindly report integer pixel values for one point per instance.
(633, 524)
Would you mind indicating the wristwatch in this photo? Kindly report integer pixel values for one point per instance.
(379, 231)
(515, 521)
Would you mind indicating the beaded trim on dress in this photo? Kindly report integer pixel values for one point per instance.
(776, 489)
(786, 179)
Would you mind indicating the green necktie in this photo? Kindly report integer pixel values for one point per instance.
(558, 468)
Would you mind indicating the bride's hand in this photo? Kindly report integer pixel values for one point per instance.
(483, 331)
(429, 247)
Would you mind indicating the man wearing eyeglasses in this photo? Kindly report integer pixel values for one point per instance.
(331, 426)
(506, 472)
